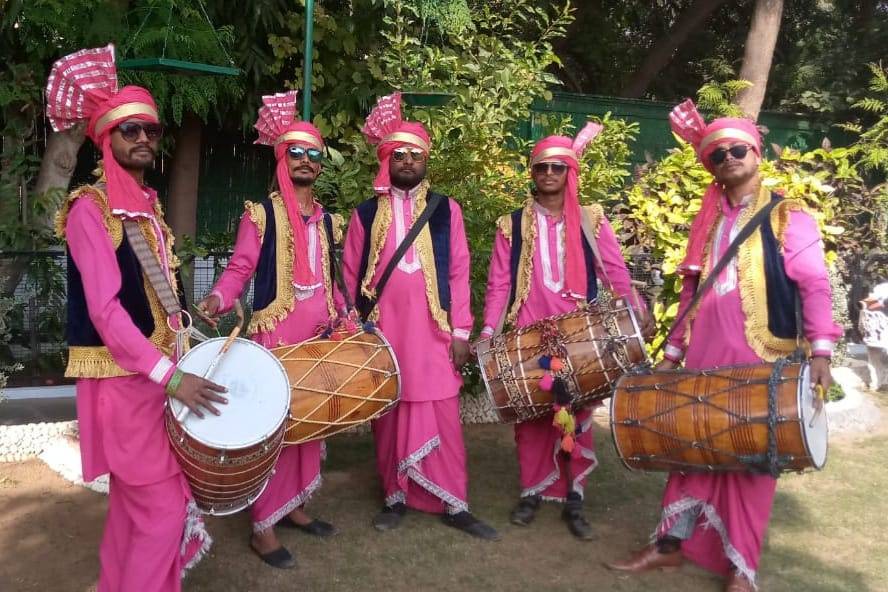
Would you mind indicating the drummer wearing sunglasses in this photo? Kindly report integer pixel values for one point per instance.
(423, 310)
(561, 280)
(748, 316)
(121, 341)
(292, 297)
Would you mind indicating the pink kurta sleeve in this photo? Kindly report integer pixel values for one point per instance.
(805, 265)
(615, 272)
(460, 295)
(92, 251)
(499, 284)
(675, 347)
(241, 266)
(351, 254)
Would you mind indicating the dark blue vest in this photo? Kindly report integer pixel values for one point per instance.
(80, 330)
(439, 227)
(515, 260)
(265, 282)
(781, 290)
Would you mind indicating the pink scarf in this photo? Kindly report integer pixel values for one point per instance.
(82, 87)
(688, 124)
(568, 151)
(385, 129)
(277, 127)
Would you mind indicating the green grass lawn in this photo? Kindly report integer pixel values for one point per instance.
(827, 533)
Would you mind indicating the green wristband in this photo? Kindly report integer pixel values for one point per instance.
(173, 385)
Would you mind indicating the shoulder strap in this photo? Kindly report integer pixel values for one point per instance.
(336, 264)
(741, 237)
(421, 221)
(155, 274)
(589, 233)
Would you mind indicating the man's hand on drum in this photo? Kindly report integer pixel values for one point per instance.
(459, 352)
(820, 375)
(647, 324)
(209, 309)
(196, 392)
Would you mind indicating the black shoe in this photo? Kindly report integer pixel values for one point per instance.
(577, 523)
(525, 511)
(390, 517)
(467, 523)
(318, 528)
(279, 558)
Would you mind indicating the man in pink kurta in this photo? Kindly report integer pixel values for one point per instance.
(424, 313)
(120, 341)
(547, 473)
(291, 303)
(719, 520)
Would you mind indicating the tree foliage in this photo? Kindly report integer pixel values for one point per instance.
(180, 30)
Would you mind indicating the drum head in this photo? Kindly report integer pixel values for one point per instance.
(258, 394)
(815, 434)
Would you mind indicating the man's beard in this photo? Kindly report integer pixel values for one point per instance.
(302, 181)
(408, 181)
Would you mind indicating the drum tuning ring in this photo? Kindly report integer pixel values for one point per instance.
(701, 399)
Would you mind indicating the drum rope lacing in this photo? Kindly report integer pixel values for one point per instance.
(615, 344)
(357, 369)
(770, 464)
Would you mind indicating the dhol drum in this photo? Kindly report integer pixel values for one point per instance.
(758, 418)
(228, 458)
(338, 382)
(598, 345)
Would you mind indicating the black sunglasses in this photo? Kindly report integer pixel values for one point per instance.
(719, 155)
(555, 168)
(416, 154)
(132, 131)
(298, 152)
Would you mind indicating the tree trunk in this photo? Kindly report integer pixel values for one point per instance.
(866, 12)
(662, 52)
(60, 159)
(184, 173)
(56, 168)
(758, 54)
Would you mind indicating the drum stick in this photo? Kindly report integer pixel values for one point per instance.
(239, 310)
(819, 389)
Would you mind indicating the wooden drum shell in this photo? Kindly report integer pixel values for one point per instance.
(602, 344)
(223, 481)
(336, 385)
(715, 420)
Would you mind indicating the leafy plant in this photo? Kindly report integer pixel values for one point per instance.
(7, 367)
(872, 146)
(178, 30)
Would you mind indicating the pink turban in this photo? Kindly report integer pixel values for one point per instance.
(82, 87)
(278, 127)
(688, 124)
(386, 130)
(569, 151)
